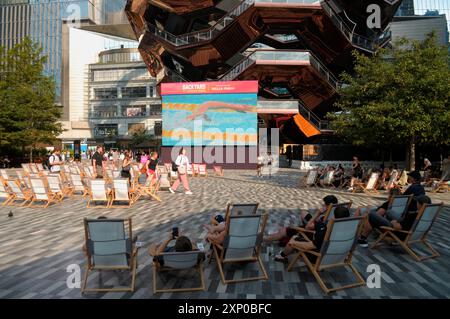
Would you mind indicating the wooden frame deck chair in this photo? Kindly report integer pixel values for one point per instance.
(242, 244)
(5, 194)
(40, 193)
(168, 167)
(202, 171)
(121, 193)
(109, 247)
(33, 168)
(370, 187)
(18, 193)
(337, 250)
(40, 167)
(442, 187)
(74, 170)
(87, 172)
(148, 189)
(55, 186)
(310, 179)
(195, 169)
(173, 176)
(4, 175)
(77, 185)
(398, 206)
(417, 234)
(218, 170)
(189, 170)
(164, 180)
(26, 168)
(20, 178)
(99, 194)
(328, 179)
(178, 261)
(392, 180)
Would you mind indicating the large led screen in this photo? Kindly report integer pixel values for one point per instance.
(209, 113)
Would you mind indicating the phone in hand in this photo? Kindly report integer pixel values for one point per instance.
(175, 232)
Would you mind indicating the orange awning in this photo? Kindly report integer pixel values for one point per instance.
(305, 126)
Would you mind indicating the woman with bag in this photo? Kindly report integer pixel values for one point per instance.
(126, 166)
(181, 162)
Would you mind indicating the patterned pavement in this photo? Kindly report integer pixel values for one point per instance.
(37, 245)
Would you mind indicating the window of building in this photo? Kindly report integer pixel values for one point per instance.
(106, 130)
(105, 93)
(134, 92)
(155, 110)
(104, 112)
(158, 128)
(136, 128)
(134, 111)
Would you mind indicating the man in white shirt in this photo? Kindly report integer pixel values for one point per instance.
(55, 161)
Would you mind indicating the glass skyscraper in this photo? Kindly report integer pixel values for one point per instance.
(42, 21)
(425, 7)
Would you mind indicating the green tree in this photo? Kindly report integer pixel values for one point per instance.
(28, 113)
(400, 96)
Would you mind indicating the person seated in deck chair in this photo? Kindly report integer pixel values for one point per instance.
(308, 221)
(216, 231)
(315, 244)
(182, 243)
(376, 221)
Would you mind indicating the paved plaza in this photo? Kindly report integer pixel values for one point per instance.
(37, 245)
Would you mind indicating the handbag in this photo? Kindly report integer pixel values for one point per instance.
(182, 169)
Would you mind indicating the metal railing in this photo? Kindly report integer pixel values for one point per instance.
(208, 34)
(368, 44)
(313, 118)
(277, 55)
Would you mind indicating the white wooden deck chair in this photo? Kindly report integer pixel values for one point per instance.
(195, 169)
(109, 248)
(33, 168)
(18, 193)
(242, 244)
(164, 181)
(148, 189)
(26, 168)
(40, 167)
(218, 170)
(5, 194)
(55, 186)
(99, 194)
(202, 171)
(4, 175)
(23, 180)
(398, 207)
(66, 169)
(337, 250)
(417, 234)
(173, 176)
(77, 185)
(392, 180)
(168, 167)
(121, 192)
(40, 194)
(74, 170)
(310, 179)
(370, 187)
(328, 179)
(177, 261)
(189, 170)
(87, 172)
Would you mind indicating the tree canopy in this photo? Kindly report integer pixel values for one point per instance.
(28, 113)
(399, 96)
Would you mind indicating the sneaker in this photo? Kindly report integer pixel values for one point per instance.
(280, 258)
(189, 193)
(350, 189)
(171, 190)
(363, 242)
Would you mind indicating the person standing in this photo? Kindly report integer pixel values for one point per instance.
(115, 158)
(97, 162)
(55, 161)
(357, 172)
(126, 166)
(182, 163)
(445, 169)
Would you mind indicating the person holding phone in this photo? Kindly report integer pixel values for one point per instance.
(182, 243)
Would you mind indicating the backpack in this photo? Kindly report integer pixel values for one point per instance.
(174, 167)
(47, 162)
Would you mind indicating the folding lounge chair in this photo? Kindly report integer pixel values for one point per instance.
(40, 193)
(26, 168)
(108, 247)
(173, 176)
(4, 175)
(328, 179)
(310, 179)
(54, 184)
(40, 167)
(148, 189)
(99, 193)
(370, 187)
(168, 167)
(417, 234)
(392, 180)
(202, 171)
(121, 193)
(398, 206)
(218, 170)
(242, 244)
(442, 187)
(176, 261)
(87, 173)
(5, 194)
(164, 181)
(33, 168)
(18, 193)
(77, 185)
(189, 170)
(336, 251)
(195, 169)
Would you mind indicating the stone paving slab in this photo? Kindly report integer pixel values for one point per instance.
(37, 245)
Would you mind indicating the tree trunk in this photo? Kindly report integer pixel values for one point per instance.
(31, 154)
(390, 156)
(412, 154)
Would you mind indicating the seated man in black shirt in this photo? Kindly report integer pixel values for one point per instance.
(376, 221)
(320, 230)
